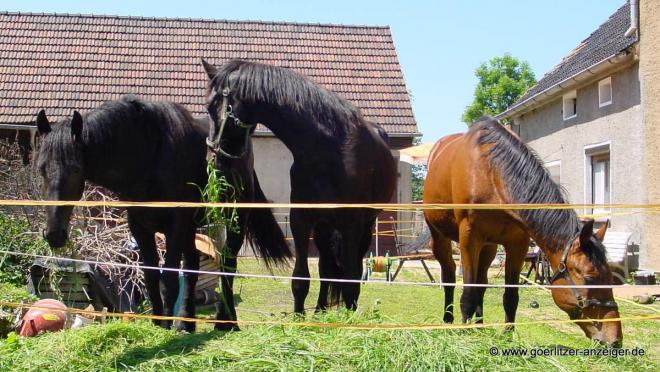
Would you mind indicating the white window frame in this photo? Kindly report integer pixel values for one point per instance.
(589, 152)
(607, 80)
(554, 163)
(572, 95)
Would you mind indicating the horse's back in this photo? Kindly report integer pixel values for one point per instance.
(460, 172)
(438, 185)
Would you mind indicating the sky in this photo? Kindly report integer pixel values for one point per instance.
(439, 43)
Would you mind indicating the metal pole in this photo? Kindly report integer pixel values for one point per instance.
(377, 237)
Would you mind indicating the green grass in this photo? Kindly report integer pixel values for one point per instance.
(141, 346)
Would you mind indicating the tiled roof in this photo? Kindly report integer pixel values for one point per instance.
(62, 62)
(606, 41)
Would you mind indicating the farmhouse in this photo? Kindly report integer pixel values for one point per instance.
(594, 120)
(62, 62)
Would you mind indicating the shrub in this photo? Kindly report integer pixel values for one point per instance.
(15, 235)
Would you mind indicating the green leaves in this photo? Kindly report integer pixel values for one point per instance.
(501, 82)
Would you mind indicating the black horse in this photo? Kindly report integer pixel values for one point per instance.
(151, 151)
(338, 157)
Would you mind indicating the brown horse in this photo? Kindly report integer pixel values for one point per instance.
(490, 165)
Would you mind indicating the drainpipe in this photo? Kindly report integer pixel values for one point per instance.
(634, 18)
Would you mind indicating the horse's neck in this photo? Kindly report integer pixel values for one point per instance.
(302, 137)
(553, 255)
(115, 165)
(549, 245)
(100, 170)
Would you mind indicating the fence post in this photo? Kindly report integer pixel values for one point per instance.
(377, 237)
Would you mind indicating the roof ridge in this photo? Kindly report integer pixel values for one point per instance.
(604, 41)
(206, 20)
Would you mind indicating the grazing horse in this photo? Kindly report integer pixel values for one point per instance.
(490, 165)
(338, 157)
(144, 152)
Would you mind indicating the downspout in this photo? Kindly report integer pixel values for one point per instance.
(634, 18)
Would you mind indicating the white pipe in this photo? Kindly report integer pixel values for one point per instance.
(634, 18)
(377, 237)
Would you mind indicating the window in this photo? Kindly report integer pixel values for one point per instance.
(605, 92)
(597, 186)
(554, 168)
(570, 105)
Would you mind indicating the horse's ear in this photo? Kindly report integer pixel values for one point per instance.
(586, 232)
(43, 125)
(76, 126)
(600, 234)
(211, 70)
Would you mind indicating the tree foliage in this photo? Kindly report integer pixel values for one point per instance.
(502, 80)
(418, 176)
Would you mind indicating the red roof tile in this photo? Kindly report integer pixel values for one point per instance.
(64, 62)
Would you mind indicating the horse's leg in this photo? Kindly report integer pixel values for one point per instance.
(147, 245)
(441, 248)
(515, 257)
(301, 227)
(190, 262)
(170, 278)
(488, 252)
(225, 308)
(327, 266)
(356, 242)
(470, 244)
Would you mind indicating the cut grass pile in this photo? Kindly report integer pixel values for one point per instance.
(141, 346)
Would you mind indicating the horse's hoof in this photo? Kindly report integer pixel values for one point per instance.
(448, 318)
(167, 324)
(298, 317)
(188, 327)
(225, 327)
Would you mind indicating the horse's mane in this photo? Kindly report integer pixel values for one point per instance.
(277, 86)
(133, 114)
(117, 125)
(527, 182)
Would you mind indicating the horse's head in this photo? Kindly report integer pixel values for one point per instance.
(584, 262)
(60, 163)
(232, 121)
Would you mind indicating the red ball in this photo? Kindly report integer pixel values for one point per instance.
(49, 317)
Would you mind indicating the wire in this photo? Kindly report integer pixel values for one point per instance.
(281, 277)
(386, 206)
(362, 326)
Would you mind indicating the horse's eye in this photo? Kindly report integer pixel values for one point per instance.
(588, 280)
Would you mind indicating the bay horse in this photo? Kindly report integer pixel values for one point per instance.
(490, 165)
(338, 157)
(150, 151)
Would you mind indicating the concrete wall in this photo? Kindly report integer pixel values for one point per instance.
(620, 124)
(649, 70)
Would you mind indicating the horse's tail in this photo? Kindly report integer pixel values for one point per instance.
(264, 233)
